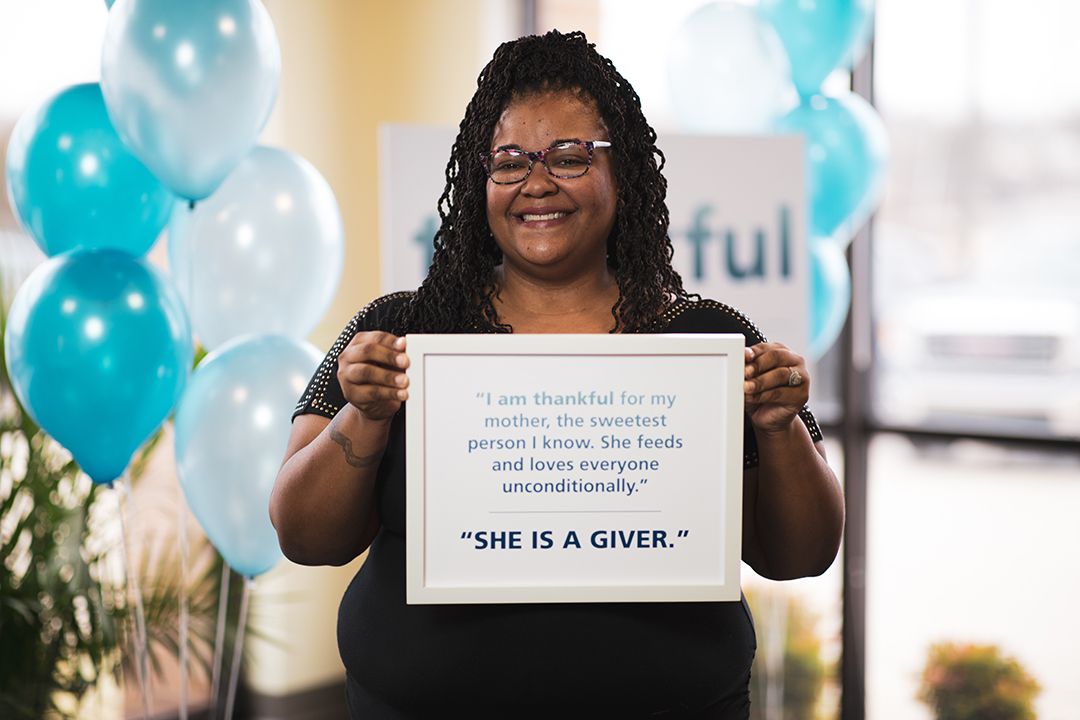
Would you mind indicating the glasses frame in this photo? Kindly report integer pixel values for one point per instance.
(488, 158)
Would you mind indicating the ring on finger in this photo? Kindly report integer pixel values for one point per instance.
(794, 378)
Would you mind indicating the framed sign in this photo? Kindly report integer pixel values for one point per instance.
(574, 468)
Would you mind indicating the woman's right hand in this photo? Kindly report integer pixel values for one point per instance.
(371, 374)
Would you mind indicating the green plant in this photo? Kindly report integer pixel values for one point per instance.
(803, 671)
(58, 623)
(963, 681)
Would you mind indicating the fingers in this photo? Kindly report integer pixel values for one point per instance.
(766, 356)
(793, 397)
(779, 378)
(775, 374)
(360, 373)
(377, 347)
(371, 373)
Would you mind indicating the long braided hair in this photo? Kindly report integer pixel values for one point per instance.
(457, 293)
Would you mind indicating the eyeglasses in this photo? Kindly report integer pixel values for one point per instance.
(563, 160)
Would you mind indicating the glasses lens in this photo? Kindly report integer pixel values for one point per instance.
(508, 166)
(568, 160)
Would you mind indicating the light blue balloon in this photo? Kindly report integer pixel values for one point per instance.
(830, 295)
(847, 153)
(727, 71)
(232, 429)
(73, 183)
(263, 254)
(190, 84)
(819, 35)
(98, 349)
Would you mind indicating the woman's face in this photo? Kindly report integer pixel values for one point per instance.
(547, 227)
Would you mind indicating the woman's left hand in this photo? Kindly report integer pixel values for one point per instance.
(776, 386)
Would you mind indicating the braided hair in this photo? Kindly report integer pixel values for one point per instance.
(457, 293)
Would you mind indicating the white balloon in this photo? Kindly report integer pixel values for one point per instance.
(263, 254)
(189, 84)
(232, 429)
(728, 71)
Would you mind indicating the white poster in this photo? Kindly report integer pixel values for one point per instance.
(574, 468)
(738, 219)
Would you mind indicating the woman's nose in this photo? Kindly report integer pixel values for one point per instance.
(539, 183)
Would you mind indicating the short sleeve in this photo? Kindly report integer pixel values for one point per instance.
(711, 316)
(323, 394)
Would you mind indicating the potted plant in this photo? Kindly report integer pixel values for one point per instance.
(964, 681)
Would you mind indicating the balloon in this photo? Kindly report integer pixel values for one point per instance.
(727, 71)
(830, 300)
(847, 151)
(232, 429)
(263, 254)
(73, 183)
(190, 84)
(819, 35)
(98, 349)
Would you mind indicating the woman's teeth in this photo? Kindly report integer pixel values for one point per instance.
(546, 216)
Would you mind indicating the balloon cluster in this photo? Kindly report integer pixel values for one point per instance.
(99, 343)
(738, 68)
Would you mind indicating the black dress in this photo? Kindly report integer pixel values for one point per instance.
(618, 660)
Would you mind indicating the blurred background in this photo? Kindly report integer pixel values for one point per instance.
(950, 401)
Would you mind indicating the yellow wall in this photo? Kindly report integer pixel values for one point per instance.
(348, 66)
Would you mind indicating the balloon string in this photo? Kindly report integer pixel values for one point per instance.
(182, 533)
(219, 637)
(185, 253)
(238, 646)
(142, 669)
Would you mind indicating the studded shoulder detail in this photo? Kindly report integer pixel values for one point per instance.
(683, 305)
(710, 322)
(323, 394)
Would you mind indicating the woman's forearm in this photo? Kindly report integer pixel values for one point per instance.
(324, 502)
(799, 513)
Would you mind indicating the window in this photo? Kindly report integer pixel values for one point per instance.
(977, 246)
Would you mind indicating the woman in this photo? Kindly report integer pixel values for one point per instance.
(553, 220)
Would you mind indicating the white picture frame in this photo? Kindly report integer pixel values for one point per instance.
(574, 468)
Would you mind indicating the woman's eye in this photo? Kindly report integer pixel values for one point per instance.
(508, 164)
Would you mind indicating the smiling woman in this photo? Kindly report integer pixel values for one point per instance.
(553, 221)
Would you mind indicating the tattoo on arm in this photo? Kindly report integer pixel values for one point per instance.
(357, 461)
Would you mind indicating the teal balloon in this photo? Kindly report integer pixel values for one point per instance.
(231, 431)
(819, 35)
(98, 349)
(189, 84)
(847, 152)
(74, 185)
(263, 254)
(830, 295)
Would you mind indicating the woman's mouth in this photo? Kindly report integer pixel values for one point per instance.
(542, 217)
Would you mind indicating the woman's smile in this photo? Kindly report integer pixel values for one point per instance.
(540, 219)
